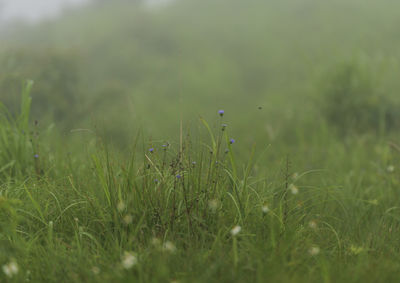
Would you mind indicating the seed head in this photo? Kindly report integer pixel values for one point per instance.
(314, 250)
(293, 189)
(312, 224)
(10, 269)
(169, 247)
(129, 259)
(235, 230)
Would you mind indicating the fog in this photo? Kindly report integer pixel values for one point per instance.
(35, 10)
(32, 11)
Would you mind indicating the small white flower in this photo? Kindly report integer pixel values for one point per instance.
(169, 247)
(95, 270)
(213, 205)
(128, 219)
(265, 209)
(390, 168)
(314, 250)
(129, 259)
(293, 189)
(235, 230)
(121, 206)
(312, 224)
(10, 269)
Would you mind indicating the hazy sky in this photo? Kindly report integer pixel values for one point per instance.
(33, 9)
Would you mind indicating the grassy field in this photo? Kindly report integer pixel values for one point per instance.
(203, 141)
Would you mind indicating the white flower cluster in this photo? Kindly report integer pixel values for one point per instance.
(10, 269)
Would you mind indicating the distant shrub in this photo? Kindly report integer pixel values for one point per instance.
(353, 102)
(56, 76)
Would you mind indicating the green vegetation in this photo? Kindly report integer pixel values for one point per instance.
(108, 174)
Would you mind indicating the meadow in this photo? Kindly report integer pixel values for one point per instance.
(202, 141)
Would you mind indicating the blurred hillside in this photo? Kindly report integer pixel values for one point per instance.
(125, 65)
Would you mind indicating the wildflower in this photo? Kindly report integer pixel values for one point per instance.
(151, 150)
(10, 269)
(226, 150)
(293, 189)
(194, 163)
(295, 176)
(165, 146)
(129, 259)
(221, 112)
(265, 208)
(390, 169)
(213, 205)
(127, 219)
(235, 230)
(121, 206)
(312, 224)
(224, 126)
(95, 270)
(36, 156)
(231, 141)
(169, 247)
(314, 250)
(155, 180)
(178, 176)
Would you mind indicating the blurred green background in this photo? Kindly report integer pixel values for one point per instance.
(282, 70)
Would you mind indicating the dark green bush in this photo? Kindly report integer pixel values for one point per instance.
(56, 82)
(353, 102)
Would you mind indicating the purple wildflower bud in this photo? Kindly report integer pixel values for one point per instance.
(151, 150)
(231, 141)
(178, 176)
(221, 112)
(36, 156)
(156, 180)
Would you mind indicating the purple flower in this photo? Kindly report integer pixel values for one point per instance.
(231, 141)
(151, 150)
(221, 112)
(156, 180)
(178, 176)
(36, 156)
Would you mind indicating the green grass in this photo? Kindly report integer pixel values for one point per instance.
(157, 216)
(310, 93)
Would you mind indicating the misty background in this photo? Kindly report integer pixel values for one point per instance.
(279, 68)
